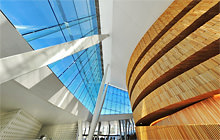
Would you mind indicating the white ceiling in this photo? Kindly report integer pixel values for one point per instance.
(126, 21)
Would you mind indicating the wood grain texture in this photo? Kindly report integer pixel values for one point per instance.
(173, 13)
(179, 132)
(186, 48)
(173, 71)
(206, 112)
(188, 24)
(198, 57)
(191, 84)
(173, 108)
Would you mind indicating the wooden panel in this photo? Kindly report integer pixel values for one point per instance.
(187, 64)
(189, 23)
(180, 132)
(204, 112)
(189, 46)
(183, 87)
(173, 13)
(175, 65)
(195, 39)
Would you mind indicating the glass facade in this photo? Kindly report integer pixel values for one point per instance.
(116, 102)
(110, 129)
(45, 23)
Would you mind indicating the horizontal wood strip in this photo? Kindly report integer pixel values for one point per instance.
(182, 88)
(171, 109)
(195, 82)
(205, 112)
(187, 31)
(204, 54)
(162, 28)
(179, 132)
(191, 44)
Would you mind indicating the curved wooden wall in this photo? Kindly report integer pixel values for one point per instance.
(177, 62)
(179, 132)
(199, 121)
(206, 112)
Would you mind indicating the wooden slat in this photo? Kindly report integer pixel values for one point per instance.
(177, 9)
(190, 22)
(204, 112)
(187, 87)
(180, 132)
(175, 56)
(173, 71)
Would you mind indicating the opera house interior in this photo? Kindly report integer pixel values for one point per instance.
(109, 69)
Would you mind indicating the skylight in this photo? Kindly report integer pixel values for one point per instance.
(45, 23)
(116, 102)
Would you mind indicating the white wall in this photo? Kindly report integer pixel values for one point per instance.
(60, 132)
(126, 21)
(18, 125)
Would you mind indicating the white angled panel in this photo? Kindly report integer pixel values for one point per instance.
(17, 65)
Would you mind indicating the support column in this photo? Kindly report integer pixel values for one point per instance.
(89, 129)
(125, 129)
(99, 126)
(119, 121)
(123, 132)
(80, 135)
(116, 129)
(109, 130)
(129, 127)
(133, 126)
(98, 106)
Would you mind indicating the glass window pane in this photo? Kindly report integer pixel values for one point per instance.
(60, 66)
(69, 75)
(28, 15)
(76, 31)
(115, 103)
(75, 84)
(46, 41)
(85, 27)
(81, 8)
(91, 4)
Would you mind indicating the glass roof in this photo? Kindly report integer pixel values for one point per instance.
(116, 102)
(46, 23)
